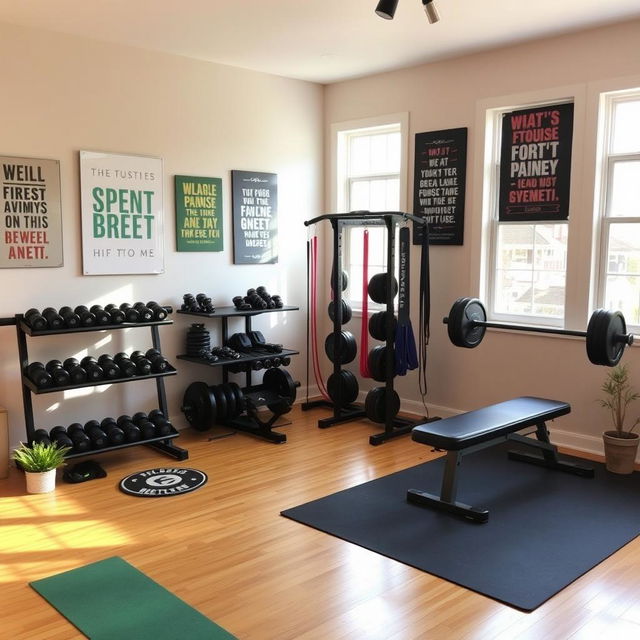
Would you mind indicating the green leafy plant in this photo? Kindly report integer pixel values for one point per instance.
(619, 395)
(40, 457)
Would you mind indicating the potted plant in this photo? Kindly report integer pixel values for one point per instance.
(39, 462)
(620, 444)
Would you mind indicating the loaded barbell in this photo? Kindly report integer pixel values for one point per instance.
(606, 334)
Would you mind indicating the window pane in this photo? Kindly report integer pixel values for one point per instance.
(381, 194)
(359, 155)
(625, 189)
(623, 271)
(626, 132)
(360, 196)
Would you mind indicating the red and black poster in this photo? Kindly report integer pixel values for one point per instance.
(535, 163)
(439, 185)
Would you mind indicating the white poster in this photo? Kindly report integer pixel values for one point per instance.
(122, 213)
(31, 223)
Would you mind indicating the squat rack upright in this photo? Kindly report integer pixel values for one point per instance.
(393, 425)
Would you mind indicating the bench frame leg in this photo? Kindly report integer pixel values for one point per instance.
(446, 501)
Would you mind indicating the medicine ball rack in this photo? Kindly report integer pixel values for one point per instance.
(393, 425)
(250, 423)
(163, 443)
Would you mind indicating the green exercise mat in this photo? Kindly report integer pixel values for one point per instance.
(111, 600)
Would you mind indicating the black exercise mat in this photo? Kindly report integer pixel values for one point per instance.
(546, 528)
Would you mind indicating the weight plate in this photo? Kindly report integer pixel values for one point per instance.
(346, 311)
(341, 348)
(596, 338)
(342, 388)
(231, 400)
(461, 323)
(376, 361)
(375, 405)
(221, 401)
(606, 337)
(345, 279)
(239, 396)
(280, 382)
(378, 325)
(377, 287)
(198, 405)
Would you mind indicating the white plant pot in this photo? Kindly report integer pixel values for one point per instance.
(40, 482)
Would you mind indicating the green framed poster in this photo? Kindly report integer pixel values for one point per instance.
(198, 213)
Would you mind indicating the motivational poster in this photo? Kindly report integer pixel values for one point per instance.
(439, 179)
(122, 213)
(535, 163)
(254, 198)
(31, 213)
(198, 213)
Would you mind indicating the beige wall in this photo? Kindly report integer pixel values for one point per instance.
(62, 94)
(446, 95)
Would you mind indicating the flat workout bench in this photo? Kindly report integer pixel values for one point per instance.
(470, 432)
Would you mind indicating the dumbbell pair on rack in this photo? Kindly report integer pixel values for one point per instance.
(198, 304)
(259, 299)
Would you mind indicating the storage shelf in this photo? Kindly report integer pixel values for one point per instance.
(242, 360)
(40, 390)
(103, 327)
(230, 312)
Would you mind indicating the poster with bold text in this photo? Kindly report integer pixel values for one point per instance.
(122, 213)
(198, 214)
(254, 198)
(31, 213)
(440, 169)
(535, 163)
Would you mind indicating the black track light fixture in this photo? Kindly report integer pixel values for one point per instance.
(431, 11)
(386, 9)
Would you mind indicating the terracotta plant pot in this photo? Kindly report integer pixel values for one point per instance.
(41, 482)
(620, 453)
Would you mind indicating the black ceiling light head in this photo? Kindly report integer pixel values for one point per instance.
(387, 8)
(431, 11)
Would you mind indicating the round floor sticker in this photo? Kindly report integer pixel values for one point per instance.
(165, 481)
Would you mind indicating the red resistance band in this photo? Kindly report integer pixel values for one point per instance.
(364, 325)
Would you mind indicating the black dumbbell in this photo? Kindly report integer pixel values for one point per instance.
(71, 320)
(143, 365)
(58, 435)
(102, 315)
(285, 361)
(276, 361)
(159, 363)
(93, 369)
(144, 313)
(53, 318)
(130, 314)
(204, 303)
(76, 372)
(39, 375)
(127, 368)
(147, 429)
(35, 320)
(110, 368)
(116, 315)
(41, 436)
(114, 433)
(162, 425)
(159, 313)
(277, 300)
(97, 436)
(240, 304)
(256, 365)
(138, 417)
(61, 377)
(81, 441)
(87, 319)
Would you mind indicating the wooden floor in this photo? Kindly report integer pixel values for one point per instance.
(226, 550)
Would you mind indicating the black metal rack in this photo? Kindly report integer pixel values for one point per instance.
(393, 425)
(163, 443)
(248, 424)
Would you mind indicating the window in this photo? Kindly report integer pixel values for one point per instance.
(527, 261)
(619, 277)
(370, 175)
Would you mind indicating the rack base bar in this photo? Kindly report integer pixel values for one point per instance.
(399, 427)
(354, 413)
(167, 447)
(257, 427)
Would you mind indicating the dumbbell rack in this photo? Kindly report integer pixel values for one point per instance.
(393, 425)
(163, 443)
(247, 424)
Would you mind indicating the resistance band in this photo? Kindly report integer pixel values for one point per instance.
(425, 313)
(406, 356)
(314, 309)
(364, 324)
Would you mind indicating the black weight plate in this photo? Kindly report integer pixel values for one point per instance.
(606, 337)
(239, 396)
(596, 337)
(375, 405)
(346, 311)
(341, 348)
(377, 287)
(230, 397)
(461, 323)
(279, 408)
(377, 325)
(221, 402)
(199, 406)
(376, 363)
(280, 382)
(342, 388)
(345, 279)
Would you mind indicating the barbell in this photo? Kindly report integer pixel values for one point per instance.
(606, 334)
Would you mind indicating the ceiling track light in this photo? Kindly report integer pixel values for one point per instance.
(386, 9)
(431, 11)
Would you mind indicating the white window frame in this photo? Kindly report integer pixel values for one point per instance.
(339, 136)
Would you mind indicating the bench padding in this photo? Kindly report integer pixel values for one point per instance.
(482, 425)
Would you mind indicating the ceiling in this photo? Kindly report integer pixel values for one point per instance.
(316, 40)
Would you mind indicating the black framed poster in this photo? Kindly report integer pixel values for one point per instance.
(535, 163)
(439, 178)
(254, 201)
